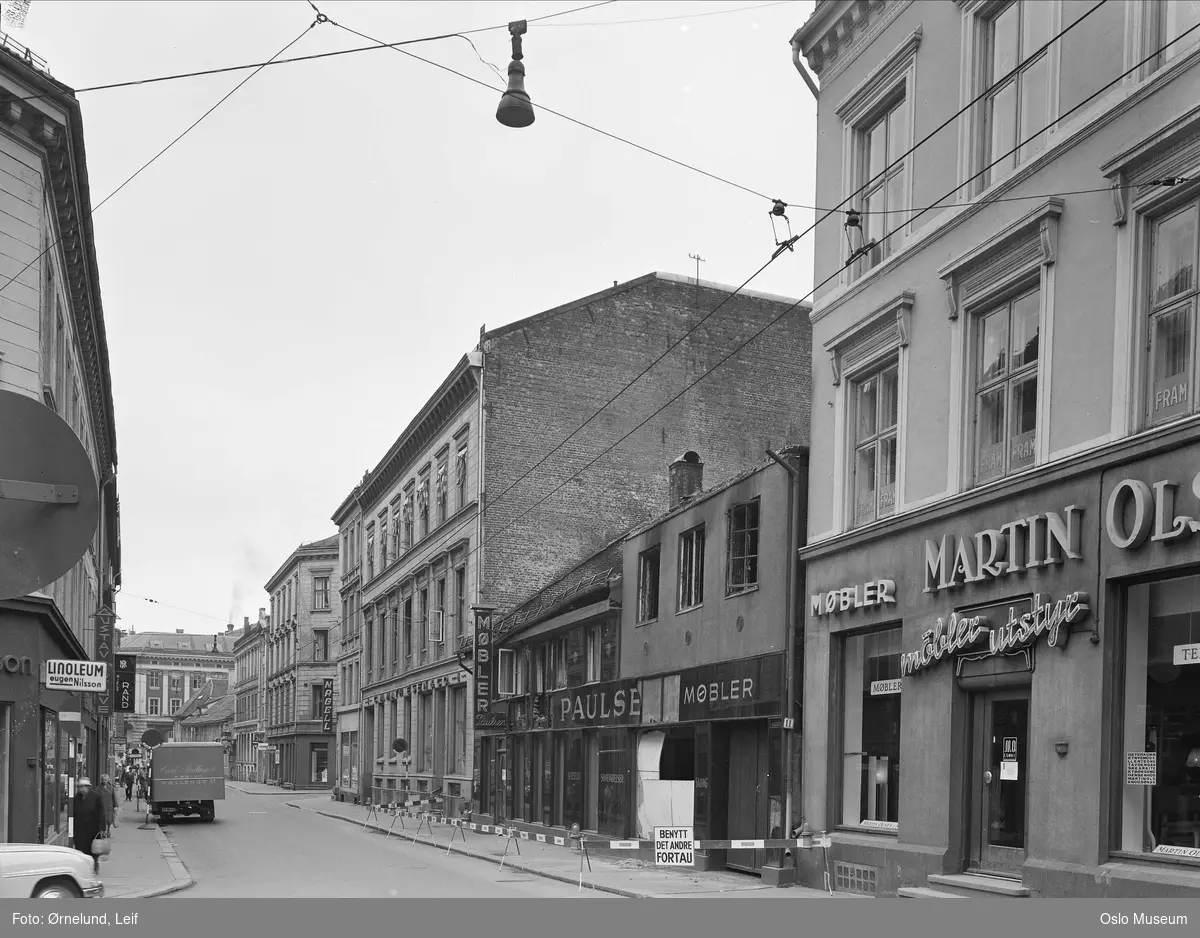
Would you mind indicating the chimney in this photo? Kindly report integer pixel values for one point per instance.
(179, 631)
(262, 612)
(246, 623)
(229, 627)
(686, 479)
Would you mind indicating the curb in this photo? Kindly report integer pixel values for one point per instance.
(509, 864)
(282, 791)
(183, 879)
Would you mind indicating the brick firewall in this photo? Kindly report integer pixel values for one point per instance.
(545, 376)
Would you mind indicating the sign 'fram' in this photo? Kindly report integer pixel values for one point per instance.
(674, 846)
(89, 676)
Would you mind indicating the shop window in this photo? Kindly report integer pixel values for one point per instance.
(647, 602)
(573, 780)
(5, 759)
(591, 779)
(546, 774)
(871, 729)
(49, 786)
(1160, 790)
(612, 815)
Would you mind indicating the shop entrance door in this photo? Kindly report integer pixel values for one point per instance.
(747, 794)
(1000, 781)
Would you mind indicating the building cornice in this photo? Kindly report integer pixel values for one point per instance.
(62, 148)
(459, 387)
(838, 31)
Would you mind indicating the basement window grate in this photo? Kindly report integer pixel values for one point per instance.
(849, 877)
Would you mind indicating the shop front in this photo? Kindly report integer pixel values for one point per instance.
(698, 748)
(1000, 689)
(47, 737)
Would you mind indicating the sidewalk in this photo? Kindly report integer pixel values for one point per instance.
(625, 877)
(258, 788)
(143, 863)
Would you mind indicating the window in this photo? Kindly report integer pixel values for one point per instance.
(408, 627)
(395, 639)
(423, 612)
(320, 645)
(1014, 109)
(1166, 21)
(316, 701)
(441, 492)
(437, 624)
(506, 660)
(1162, 719)
(176, 684)
(154, 706)
(154, 680)
(1006, 388)
(521, 671)
(320, 592)
(871, 728)
(539, 669)
(742, 573)
(594, 643)
(176, 703)
(876, 409)
(556, 664)
(691, 568)
(879, 144)
(1172, 323)
(460, 602)
(460, 477)
(648, 566)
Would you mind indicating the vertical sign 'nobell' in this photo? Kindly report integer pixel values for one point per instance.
(105, 652)
(485, 660)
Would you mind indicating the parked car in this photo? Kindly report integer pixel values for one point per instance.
(41, 871)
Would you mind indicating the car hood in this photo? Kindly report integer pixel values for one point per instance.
(45, 850)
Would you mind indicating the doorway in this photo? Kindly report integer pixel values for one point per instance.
(999, 781)
(747, 803)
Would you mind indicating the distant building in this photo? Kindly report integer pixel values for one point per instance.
(298, 644)
(172, 668)
(208, 718)
(250, 727)
(53, 350)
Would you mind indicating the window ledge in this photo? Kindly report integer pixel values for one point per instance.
(680, 612)
(1126, 856)
(866, 831)
(638, 625)
(733, 594)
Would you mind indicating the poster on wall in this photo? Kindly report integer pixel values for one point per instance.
(1141, 768)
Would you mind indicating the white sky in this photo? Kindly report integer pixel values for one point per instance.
(285, 287)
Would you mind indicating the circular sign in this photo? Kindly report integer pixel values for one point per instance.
(152, 738)
(49, 497)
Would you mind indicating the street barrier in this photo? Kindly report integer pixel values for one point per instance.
(514, 835)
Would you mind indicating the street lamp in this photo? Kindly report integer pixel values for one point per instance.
(515, 109)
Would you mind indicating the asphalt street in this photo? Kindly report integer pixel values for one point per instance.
(258, 847)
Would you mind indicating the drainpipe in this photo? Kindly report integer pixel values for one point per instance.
(795, 497)
(812, 85)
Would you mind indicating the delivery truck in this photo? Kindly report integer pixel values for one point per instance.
(187, 778)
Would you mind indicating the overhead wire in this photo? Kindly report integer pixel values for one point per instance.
(498, 498)
(90, 213)
(678, 16)
(832, 277)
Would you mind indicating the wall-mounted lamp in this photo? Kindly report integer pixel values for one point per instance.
(1193, 759)
(1061, 748)
(515, 109)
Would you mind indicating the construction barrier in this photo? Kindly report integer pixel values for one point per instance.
(399, 810)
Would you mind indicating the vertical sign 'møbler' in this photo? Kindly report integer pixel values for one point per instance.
(327, 706)
(105, 651)
(484, 663)
(125, 684)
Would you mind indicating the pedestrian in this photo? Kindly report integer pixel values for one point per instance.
(127, 778)
(88, 819)
(108, 797)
